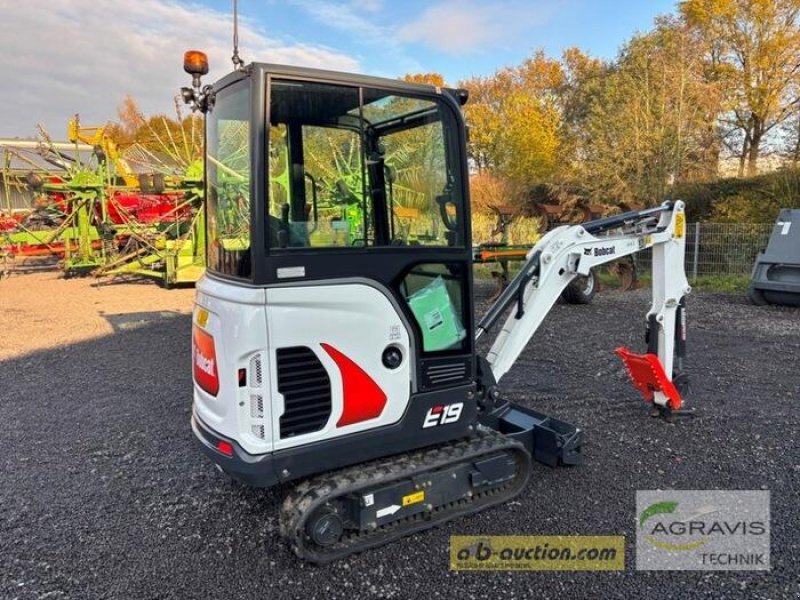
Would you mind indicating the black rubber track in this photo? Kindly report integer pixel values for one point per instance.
(308, 496)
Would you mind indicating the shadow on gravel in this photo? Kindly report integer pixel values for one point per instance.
(128, 321)
(103, 493)
(126, 280)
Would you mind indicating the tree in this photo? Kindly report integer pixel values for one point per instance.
(753, 50)
(130, 119)
(179, 140)
(647, 126)
(580, 91)
(488, 191)
(792, 132)
(159, 140)
(515, 118)
(431, 78)
(484, 118)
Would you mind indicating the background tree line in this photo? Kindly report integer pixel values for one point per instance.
(717, 80)
(161, 142)
(713, 85)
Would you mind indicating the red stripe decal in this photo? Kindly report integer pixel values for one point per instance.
(363, 398)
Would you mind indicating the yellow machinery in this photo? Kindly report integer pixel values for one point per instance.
(96, 137)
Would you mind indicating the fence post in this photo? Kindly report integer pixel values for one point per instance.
(696, 251)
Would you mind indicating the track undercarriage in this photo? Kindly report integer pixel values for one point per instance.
(337, 514)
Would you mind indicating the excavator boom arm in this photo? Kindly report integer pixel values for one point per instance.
(569, 251)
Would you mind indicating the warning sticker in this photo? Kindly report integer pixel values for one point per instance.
(414, 498)
(680, 225)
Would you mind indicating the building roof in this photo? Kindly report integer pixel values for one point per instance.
(22, 156)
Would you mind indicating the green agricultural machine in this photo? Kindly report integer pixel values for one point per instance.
(98, 215)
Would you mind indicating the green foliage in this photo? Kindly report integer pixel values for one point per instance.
(741, 200)
(730, 284)
(609, 281)
(647, 126)
(523, 231)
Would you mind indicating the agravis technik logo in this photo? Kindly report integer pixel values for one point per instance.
(702, 530)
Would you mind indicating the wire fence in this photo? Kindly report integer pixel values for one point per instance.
(718, 249)
(712, 249)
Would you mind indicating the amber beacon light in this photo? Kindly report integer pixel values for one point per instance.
(195, 62)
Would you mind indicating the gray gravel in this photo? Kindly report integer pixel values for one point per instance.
(103, 494)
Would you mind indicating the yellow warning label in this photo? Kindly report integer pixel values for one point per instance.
(680, 225)
(202, 317)
(414, 498)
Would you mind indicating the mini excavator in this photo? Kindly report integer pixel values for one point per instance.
(334, 337)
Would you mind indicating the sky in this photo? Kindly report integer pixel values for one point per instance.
(62, 57)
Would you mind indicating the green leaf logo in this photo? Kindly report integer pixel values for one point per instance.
(657, 509)
(660, 508)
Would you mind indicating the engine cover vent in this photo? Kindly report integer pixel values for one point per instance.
(444, 372)
(255, 371)
(306, 390)
(256, 406)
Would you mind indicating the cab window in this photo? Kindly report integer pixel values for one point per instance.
(360, 167)
(228, 182)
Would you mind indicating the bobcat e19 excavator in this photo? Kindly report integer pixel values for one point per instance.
(334, 340)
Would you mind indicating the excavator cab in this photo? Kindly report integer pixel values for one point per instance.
(310, 180)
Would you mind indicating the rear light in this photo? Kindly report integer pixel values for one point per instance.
(225, 447)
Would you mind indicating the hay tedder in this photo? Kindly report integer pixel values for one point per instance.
(94, 213)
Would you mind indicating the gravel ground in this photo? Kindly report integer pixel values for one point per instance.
(104, 496)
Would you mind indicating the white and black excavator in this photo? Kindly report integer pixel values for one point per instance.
(334, 336)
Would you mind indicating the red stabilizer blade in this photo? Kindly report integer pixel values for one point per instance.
(648, 376)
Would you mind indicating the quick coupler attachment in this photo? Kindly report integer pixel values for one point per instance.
(670, 415)
(549, 440)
